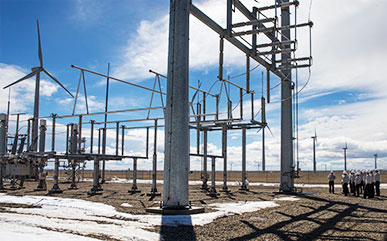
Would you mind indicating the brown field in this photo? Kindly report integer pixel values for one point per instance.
(265, 177)
(317, 215)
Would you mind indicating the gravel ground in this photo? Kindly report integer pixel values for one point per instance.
(317, 215)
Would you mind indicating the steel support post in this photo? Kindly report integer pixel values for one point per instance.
(314, 154)
(104, 132)
(244, 178)
(123, 141)
(213, 190)
(3, 146)
(73, 150)
(224, 154)
(247, 73)
(287, 168)
(263, 120)
(252, 106)
(176, 161)
(91, 135)
(134, 188)
(241, 103)
(205, 173)
(55, 188)
(28, 135)
(15, 141)
(96, 189)
(117, 136)
(153, 191)
(53, 133)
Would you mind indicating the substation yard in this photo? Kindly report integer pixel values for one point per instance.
(313, 215)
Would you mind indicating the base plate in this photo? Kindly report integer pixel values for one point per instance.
(170, 211)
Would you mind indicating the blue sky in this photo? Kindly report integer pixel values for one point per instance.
(345, 100)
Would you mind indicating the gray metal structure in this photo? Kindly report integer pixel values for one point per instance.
(345, 156)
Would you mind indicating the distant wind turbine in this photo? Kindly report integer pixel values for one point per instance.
(345, 156)
(36, 72)
(314, 150)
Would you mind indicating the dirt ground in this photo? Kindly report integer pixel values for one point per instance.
(317, 215)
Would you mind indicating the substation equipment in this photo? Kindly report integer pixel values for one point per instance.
(270, 45)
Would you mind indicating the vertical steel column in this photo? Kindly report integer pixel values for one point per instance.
(3, 145)
(314, 153)
(67, 139)
(117, 136)
(154, 173)
(41, 162)
(205, 173)
(244, 183)
(73, 150)
(96, 189)
(254, 36)
(53, 133)
(176, 161)
(229, 18)
(134, 186)
(241, 102)
(91, 135)
(99, 141)
(221, 48)
(213, 190)
(248, 73)
(217, 108)
(224, 154)
(55, 188)
(198, 119)
(204, 106)
(287, 169)
(147, 142)
(263, 119)
(104, 133)
(252, 105)
(123, 140)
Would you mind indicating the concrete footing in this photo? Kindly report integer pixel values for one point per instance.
(177, 211)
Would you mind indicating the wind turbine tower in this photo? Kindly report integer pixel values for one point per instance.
(345, 157)
(314, 151)
(36, 72)
(376, 157)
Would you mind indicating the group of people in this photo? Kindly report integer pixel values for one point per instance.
(366, 183)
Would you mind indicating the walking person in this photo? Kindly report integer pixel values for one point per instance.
(345, 181)
(362, 175)
(352, 182)
(331, 179)
(377, 182)
(368, 181)
(358, 180)
(372, 187)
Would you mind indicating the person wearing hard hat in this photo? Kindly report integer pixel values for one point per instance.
(358, 180)
(352, 182)
(377, 182)
(331, 179)
(344, 182)
(368, 181)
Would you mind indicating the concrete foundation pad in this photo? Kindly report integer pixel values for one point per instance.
(170, 211)
(153, 194)
(134, 191)
(55, 191)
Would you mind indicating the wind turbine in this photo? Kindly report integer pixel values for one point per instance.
(36, 72)
(314, 150)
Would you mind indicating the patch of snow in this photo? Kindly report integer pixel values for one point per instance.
(64, 218)
(126, 205)
(292, 198)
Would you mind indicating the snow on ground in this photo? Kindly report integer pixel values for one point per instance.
(65, 219)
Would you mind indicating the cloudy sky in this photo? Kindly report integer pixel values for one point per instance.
(344, 101)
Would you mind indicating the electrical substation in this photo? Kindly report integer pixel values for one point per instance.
(267, 38)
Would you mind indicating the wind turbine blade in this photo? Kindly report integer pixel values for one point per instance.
(25, 77)
(53, 78)
(40, 46)
(270, 131)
